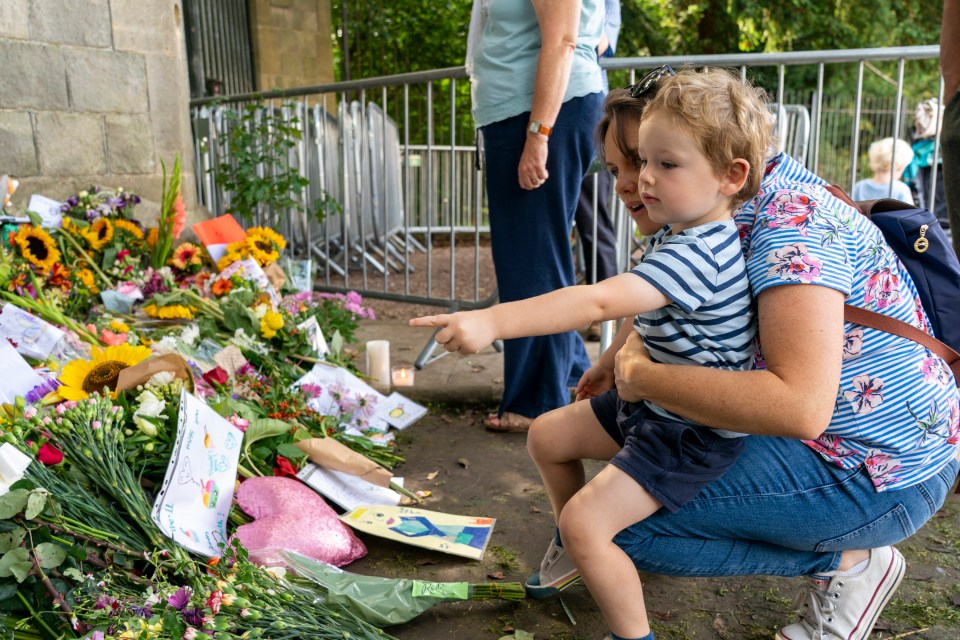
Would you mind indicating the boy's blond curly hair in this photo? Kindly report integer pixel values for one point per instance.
(726, 117)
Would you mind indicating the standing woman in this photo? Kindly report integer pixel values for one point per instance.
(537, 92)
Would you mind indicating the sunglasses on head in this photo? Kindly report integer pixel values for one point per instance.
(648, 83)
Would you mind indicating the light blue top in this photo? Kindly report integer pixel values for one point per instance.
(710, 321)
(505, 63)
(871, 190)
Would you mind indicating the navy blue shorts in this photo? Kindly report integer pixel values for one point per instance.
(671, 460)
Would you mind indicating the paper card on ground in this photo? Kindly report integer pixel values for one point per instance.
(399, 411)
(219, 232)
(300, 273)
(459, 535)
(194, 500)
(249, 270)
(34, 337)
(337, 381)
(345, 489)
(314, 335)
(47, 208)
(18, 377)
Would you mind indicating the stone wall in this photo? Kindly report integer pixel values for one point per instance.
(93, 92)
(291, 43)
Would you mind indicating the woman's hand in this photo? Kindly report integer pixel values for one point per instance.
(595, 381)
(630, 366)
(532, 171)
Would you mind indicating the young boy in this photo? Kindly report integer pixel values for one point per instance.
(702, 142)
(888, 159)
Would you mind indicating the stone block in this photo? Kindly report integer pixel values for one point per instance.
(147, 27)
(169, 109)
(291, 66)
(33, 77)
(70, 144)
(282, 3)
(108, 81)
(14, 19)
(18, 152)
(70, 22)
(130, 147)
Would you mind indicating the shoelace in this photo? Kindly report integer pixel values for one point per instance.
(819, 602)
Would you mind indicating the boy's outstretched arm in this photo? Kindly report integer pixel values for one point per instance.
(562, 310)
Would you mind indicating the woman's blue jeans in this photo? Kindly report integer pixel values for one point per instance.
(781, 510)
(530, 238)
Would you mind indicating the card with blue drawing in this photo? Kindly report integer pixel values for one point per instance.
(194, 500)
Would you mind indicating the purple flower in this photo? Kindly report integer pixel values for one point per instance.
(193, 617)
(38, 392)
(180, 599)
(311, 390)
(97, 635)
(145, 611)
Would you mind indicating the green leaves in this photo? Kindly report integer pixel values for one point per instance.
(16, 563)
(12, 503)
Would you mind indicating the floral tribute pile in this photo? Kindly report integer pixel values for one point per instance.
(85, 451)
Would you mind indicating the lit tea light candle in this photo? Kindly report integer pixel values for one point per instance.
(378, 362)
(402, 375)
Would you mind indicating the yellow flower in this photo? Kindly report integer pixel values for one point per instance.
(85, 276)
(119, 327)
(130, 227)
(37, 247)
(270, 323)
(235, 251)
(185, 256)
(152, 235)
(264, 245)
(80, 378)
(169, 311)
(98, 234)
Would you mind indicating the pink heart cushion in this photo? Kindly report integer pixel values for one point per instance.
(290, 515)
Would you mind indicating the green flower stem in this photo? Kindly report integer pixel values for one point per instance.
(36, 616)
(52, 314)
(90, 261)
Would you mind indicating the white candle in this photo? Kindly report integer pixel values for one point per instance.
(402, 375)
(378, 362)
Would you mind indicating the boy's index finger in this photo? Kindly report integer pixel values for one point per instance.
(429, 321)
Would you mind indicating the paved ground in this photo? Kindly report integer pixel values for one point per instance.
(472, 471)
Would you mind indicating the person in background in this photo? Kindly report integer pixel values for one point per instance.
(599, 184)
(950, 135)
(928, 123)
(888, 159)
(537, 91)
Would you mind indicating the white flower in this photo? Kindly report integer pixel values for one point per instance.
(166, 344)
(243, 341)
(190, 334)
(161, 378)
(260, 310)
(150, 407)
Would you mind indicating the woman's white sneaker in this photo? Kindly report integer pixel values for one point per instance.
(846, 607)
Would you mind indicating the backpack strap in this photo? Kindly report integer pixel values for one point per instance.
(885, 323)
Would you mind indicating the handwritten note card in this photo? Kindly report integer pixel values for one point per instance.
(459, 535)
(195, 498)
(346, 490)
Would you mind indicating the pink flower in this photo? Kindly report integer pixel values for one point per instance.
(883, 286)
(179, 216)
(794, 262)
(112, 339)
(867, 395)
(238, 422)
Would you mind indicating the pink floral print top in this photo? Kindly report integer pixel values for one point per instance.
(897, 411)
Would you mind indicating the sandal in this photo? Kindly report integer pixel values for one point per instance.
(508, 423)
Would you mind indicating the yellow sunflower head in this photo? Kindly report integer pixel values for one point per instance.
(99, 233)
(235, 251)
(86, 278)
(37, 247)
(264, 245)
(169, 311)
(128, 227)
(80, 378)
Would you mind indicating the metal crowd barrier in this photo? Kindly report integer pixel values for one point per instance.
(399, 156)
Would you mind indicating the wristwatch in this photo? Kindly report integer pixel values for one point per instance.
(536, 126)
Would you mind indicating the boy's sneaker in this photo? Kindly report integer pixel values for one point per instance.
(846, 607)
(557, 572)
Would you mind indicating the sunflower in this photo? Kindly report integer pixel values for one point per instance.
(99, 233)
(264, 245)
(80, 378)
(187, 257)
(37, 247)
(235, 251)
(169, 311)
(85, 276)
(128, 226)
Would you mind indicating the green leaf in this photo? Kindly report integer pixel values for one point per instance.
(290, 452)
(78, 553)
(36, 503)
(13, 503)
(24, 483)
(50, 555)
(264, 428)
(21, 570)
(7, 590)
(11, 558)
(35, 218)
(73, 573)
(336, 343)
(12, 539)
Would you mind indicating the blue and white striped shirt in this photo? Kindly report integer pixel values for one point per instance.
(711, 320)
(897, 409)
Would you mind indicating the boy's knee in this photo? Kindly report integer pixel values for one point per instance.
(575, 526)
(538, 437)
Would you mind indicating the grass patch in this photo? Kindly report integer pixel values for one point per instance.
(927, 609)
(506, 558)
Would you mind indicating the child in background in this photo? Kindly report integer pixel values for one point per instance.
(702, 141)
(888, 159)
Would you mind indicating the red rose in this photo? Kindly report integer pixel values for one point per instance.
(284, 468)
(216, 376)
(49, 455)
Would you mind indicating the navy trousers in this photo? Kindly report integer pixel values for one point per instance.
(530, 237)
